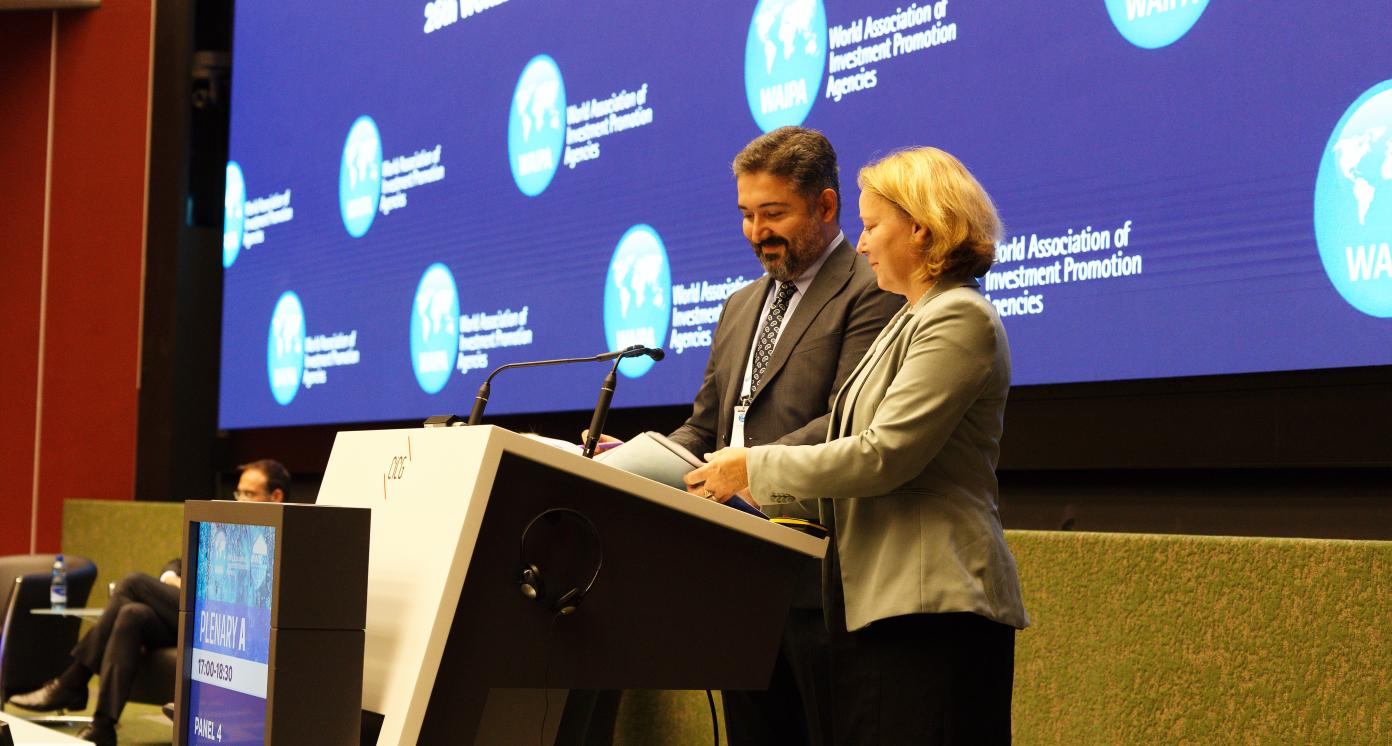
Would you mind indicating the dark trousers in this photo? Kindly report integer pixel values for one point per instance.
(923, 679)
(143, 613)
(588, 718)
(797, 706)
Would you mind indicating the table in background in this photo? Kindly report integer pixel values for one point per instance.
(84, 613)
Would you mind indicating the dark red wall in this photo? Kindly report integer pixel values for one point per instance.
(25, 39)
(89, 322)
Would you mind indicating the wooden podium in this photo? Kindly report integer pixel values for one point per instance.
(691, 595)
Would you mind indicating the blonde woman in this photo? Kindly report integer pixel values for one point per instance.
(921, 593)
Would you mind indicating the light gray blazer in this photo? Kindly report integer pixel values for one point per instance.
(908, 468)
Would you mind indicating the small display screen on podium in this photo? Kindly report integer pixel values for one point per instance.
(228, 669)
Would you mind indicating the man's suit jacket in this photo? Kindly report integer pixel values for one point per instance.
(840, 314)
(915, 448)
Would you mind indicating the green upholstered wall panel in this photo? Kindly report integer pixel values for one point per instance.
(1148, 639)
(122, 537)
(1190, 639)
(649, 717)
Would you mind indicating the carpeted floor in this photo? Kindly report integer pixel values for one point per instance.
(141, 724)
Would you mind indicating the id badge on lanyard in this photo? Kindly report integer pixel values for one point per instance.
(737, 429)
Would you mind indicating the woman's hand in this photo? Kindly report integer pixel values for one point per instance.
(725, 473)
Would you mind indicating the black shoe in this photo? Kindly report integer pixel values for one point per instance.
(98, 733)
(52, 696)
(168, 710)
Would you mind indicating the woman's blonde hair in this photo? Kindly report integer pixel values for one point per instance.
(936, 191)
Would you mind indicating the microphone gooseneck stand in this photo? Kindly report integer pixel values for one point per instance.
(606, 392)
(481, 398)
(606, 395)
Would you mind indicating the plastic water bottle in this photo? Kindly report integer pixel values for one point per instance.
(58, 588)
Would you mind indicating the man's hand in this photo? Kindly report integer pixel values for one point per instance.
(584, 434)
(725, 474)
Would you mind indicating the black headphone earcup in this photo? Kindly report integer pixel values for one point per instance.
(569, 601)
(530, 583)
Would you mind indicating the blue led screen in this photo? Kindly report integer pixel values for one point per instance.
(419, 192)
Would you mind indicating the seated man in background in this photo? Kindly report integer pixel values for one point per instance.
(143, 614)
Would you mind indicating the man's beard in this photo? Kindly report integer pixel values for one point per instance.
(800, 252)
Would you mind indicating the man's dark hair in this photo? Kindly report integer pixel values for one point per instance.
(801, 155)
(277, 476)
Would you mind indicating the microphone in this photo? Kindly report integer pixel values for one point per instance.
(601, 411)
(606, 395)
(481, 398)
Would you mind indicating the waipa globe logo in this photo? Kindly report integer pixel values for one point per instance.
(637, 296)
(360, 177)
(434, 328)
(784, 57)
(218, 551)
(285, 348)
(1151, 24)
(1353, 203)
(536, 125)
(259, 562)
(233, 214)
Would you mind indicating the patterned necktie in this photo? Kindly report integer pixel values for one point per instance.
(763, 346)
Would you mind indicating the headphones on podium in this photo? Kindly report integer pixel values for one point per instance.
(530, 581)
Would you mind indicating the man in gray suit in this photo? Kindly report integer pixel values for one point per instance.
(782, 348)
